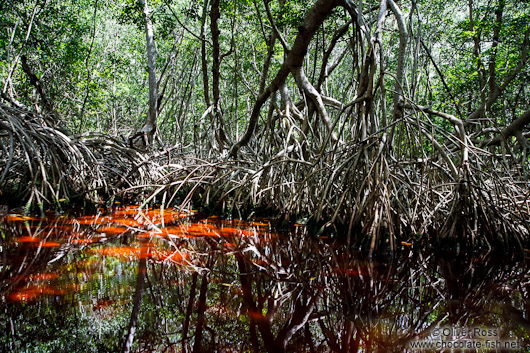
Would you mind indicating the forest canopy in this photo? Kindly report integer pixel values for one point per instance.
(371, 119)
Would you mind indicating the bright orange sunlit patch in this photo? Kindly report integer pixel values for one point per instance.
(38, 242)
(23, 296)
(33, 292)
(123, 252)
(199, 229)
(46, 276)
(111, 230)
(19, 218)
(169, 255)
(176, 232)
(28, 239)
(169, 232)
(406, 243)
(127, 222)
(167, 215)
(229, 231)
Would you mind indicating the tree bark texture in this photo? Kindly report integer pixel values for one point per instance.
(150, 125)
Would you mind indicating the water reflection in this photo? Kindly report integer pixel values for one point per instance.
(169, 281)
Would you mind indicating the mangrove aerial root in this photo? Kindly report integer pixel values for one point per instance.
(373, 195)
(42, 166)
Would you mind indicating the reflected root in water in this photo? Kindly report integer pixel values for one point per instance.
(156, 281)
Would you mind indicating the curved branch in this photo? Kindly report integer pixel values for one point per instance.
(325, 71)
(314, 18)
(512, 130)
(275, 28)
(308, 88)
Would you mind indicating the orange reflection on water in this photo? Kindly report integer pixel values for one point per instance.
(126, 211)
(117, 251)
(129, 222)
(168, 232)
(133, 216)
(165, 216)
(147, 251)
(32, 292)
(259, 224)
(175, 256)
(191, 230)
(28, 239)
(112, 230)
(229, 231)
(19, 218)
(37, 242)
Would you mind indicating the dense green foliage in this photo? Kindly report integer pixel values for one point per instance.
(90, 58)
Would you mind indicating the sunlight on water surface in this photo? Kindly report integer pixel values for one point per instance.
(70, 284)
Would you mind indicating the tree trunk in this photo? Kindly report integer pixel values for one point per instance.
(215, 14)
(149, 127)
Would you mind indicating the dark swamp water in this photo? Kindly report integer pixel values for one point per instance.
(170, 282)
